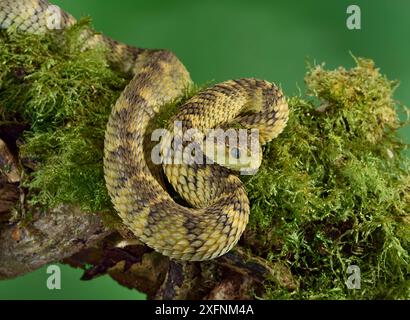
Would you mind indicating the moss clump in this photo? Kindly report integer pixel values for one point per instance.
(65, 95)
(333, 189)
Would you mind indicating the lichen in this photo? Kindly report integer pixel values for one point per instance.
(333, 189)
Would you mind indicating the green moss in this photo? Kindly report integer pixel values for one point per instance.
(65, 95)
(333, 189)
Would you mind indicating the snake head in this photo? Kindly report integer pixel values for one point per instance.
(235, 149)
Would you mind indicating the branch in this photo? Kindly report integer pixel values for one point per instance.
(46, 236)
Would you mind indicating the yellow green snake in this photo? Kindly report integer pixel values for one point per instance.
(216, 208)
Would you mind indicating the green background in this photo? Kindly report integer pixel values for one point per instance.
(224, 39)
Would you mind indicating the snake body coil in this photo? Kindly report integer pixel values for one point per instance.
(218, 208)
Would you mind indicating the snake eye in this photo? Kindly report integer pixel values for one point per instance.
(235, 153)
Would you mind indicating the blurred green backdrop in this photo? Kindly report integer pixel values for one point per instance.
(223, 39)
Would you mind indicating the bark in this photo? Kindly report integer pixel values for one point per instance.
(30, 237)
(49, 237)
(236, 275)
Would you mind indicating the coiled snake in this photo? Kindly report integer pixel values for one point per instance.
(216, 208)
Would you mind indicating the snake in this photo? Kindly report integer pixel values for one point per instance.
(213, 208)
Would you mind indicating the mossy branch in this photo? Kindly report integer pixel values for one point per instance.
(333, 189)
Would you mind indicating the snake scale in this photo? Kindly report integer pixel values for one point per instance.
(216, 208)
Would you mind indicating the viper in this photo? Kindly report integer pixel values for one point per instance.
(213, 208)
